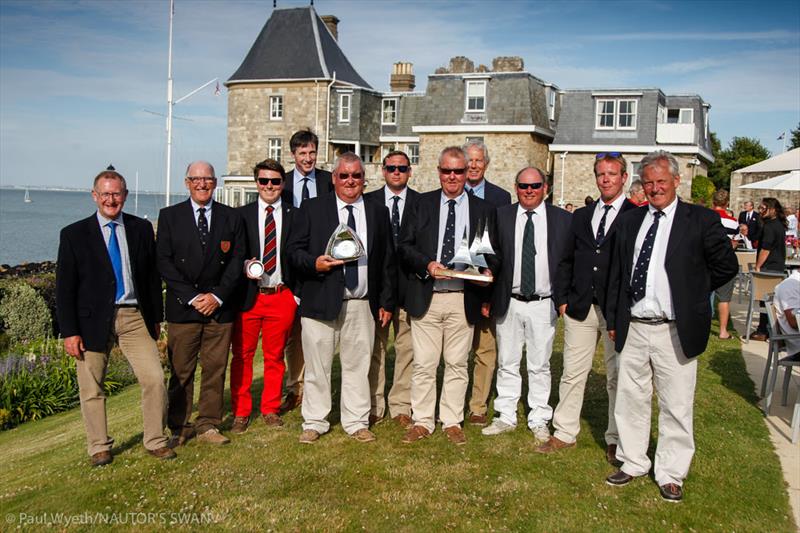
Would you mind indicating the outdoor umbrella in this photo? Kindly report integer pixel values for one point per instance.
(784, 182)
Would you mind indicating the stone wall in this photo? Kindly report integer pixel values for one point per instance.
(740, 196)
(249, 125)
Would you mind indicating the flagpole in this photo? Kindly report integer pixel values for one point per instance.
(169, 102)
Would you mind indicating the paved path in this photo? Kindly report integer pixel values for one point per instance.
(780, 417)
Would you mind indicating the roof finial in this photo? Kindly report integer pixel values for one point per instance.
(274, 4)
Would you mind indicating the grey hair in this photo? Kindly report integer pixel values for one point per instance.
(475, 143)
(636, 186)
(453, 151)
(660, 155)
(538, 171)
(348, 157)
(200, 162)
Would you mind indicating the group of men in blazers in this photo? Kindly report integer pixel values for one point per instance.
(637, 277)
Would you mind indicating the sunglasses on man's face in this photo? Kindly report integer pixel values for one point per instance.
(347, 175)
(267, 181)
(534, 186)
(448, 171)
(602, 155)
(401, 168)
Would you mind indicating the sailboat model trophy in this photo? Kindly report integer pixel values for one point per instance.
(471, 257)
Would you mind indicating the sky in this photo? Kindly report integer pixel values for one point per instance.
(83, 82)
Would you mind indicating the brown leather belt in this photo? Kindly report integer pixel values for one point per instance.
(272, 290)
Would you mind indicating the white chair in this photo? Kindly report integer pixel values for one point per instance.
(761, 284)
(777, 345)
(746, 259)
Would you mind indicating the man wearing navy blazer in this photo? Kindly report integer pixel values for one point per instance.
(484, 342)
(530, 239)
(268, 304)
(200, 251)
(108, 291)
(668, 257)
(753, 221)
(305, 181)
(443, 310)
(580, 294)
(341, 301)
(401, 201)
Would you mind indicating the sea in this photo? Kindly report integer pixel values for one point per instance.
(29, 231)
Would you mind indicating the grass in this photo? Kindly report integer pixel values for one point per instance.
(265, 480)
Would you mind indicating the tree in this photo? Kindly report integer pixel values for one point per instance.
(715, 169)
(702, 189)
(795, 138)
(741, 152)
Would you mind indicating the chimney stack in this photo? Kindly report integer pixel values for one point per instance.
(402, 79)
(332, 22)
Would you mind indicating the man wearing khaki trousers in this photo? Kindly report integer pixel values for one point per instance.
(108, 290)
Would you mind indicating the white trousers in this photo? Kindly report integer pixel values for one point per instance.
(580, 343)
(652, 354)
(531, 325)
(354, 333)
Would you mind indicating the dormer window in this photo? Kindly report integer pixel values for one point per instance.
(389, 112)
(616, 114)
(476, 96)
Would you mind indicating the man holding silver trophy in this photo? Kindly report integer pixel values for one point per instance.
(342, 252)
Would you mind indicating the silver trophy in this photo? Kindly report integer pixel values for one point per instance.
(467, 259)
(344, 244)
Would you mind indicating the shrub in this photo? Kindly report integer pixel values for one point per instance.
(702, 189)
(36, 386)
(25, 314)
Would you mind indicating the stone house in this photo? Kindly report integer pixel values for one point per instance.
(777, 165)
(523, 119)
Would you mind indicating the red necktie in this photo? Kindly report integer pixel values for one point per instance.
(270, 254)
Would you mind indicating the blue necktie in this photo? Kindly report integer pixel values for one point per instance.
(639, 281)
(116, 260)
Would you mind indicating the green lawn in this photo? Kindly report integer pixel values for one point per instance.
(265, 480)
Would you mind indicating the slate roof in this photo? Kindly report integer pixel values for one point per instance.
(295, 44)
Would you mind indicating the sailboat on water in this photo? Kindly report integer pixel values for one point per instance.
(27, 197)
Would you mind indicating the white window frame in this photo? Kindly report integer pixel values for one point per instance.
(276, 107)
(479, 99)
(551, 103)
(705, 123)
(662, 114)
(275, 148)
(384, 106)
(632, 113)
(681, 112)
(344, 117)
(412, 149)
(598, 114)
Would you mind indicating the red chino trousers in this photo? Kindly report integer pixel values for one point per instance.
(271, 316)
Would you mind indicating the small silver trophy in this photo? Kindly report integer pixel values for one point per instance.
(472, 257)
(255, 269)
(344, 244)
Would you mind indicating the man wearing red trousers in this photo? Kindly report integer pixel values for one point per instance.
(268, 305)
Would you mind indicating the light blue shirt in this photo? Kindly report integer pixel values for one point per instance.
(297, 180)
(129, 294)
(196, 209)
(462, 227)
(479, 190)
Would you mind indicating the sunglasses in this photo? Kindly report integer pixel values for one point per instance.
(448, 171)
(267, 181)
(346, 175)
(603, 155)
(400, 168)
(534, 186)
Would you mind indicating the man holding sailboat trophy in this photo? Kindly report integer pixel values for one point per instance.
(446, 248)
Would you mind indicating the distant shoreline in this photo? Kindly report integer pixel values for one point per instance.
(62, 189)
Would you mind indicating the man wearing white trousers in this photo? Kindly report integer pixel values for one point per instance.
(530, 238)
(668, 257)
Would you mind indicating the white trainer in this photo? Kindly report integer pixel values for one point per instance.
(496, 427)
(540, 434)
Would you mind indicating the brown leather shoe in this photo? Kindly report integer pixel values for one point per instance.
(213, 436)
(240, 424)
(102, 458)
(611, 456)
(374, 420)
(363, 435)
(455, 435)
(272, 420)
(415, 433)
(755, 336)
(163, 453)
(309, 436)
(404, 421)
(478, 420)
(291, 401)
(552, 445)
(181, 438)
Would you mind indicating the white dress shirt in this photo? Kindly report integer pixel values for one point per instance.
(277, 214)
(541, 266)
(129, 294)
(657, 301)
(462, 226)
(297, 181)
(361, 230)
(389, 197)
(616, 205)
